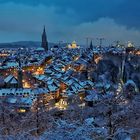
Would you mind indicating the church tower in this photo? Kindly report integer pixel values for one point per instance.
(44, 40)
(91, 45)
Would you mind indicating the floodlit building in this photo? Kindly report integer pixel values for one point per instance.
(73, 45)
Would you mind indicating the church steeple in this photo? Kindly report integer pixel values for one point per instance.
(91, 45)
(44, 30)
(44, 40)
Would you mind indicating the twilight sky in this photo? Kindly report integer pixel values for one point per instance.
(69, 20)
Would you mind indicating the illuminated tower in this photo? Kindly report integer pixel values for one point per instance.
(44, 40)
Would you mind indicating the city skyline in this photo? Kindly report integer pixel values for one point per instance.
(71, 20)
(70, 69)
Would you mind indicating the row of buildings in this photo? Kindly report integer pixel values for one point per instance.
(57, 77)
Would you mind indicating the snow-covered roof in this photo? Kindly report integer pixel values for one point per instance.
(131, 82)
(40, 77)
(13, 81)
(19, 101)
(10, 79)
(7, 79)
(12, 64)
(52, 88)
(15, 91)
(40, 49)
(11, 100)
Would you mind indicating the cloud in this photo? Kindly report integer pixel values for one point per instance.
(25, 22)
(125, 12)
(107, 28)
(28, 21)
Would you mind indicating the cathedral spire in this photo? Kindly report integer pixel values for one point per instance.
(44, 40)
(44, 30)
(91, 45)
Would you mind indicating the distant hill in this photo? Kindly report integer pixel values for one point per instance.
(29, 44)
(23, 44)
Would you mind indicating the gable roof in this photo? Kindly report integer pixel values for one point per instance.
(11, 79)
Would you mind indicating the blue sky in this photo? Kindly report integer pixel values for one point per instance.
(69, 20)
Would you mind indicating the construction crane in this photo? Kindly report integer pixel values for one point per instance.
(60, 43)
(117, 43)
(100, 41)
